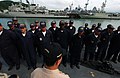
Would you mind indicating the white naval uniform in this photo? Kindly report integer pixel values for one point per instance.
(46, 73)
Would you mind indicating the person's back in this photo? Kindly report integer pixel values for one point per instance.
(52, 58)
(46, 73)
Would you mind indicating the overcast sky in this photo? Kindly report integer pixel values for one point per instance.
(112, 5)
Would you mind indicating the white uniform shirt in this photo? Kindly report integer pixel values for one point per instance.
(1, 32)
(44, 33)
(33, 31)
(46, 73)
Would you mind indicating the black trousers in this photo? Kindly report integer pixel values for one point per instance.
(89, 54)
(10, 56)
(112, 52)
(101, 53)
(75, 58)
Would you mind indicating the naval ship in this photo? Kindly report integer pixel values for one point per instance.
(32, 11)
(95, 13)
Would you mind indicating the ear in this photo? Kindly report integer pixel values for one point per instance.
(58, 61)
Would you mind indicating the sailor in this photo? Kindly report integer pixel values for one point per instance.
(15, 22)
(104, 43)
(91, 42)
(34, 31)
(93, 28)
(32, 28)
(71, 28)
(76, 45)
(37, 26)
(44, 36)
(66, 24)
(10, 25)
(16, 31)
(27, 46)
(62, 37)
(8, 48)
(99, 26)
(114, 47)
(86, 29)
(53, 28)
(52, 59)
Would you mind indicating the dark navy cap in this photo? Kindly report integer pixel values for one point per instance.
(32, 25)
(109, 26)
(71, 22)
(9, 23)
(118, 28)
(22, 26)
(66, 22)
(53, 52)
(42, 24)
(94, 25)
(99, 24)
(81, 29)
(15, 19)
(98, 29)
(61, 23)
(36, 21)
(53, 22)
(86, 24)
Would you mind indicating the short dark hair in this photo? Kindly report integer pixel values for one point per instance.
(52, 53)
(50, 62)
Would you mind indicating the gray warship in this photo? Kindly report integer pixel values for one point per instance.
(95, 13)
(32, 11)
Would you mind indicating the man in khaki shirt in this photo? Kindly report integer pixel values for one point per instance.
(52, 59)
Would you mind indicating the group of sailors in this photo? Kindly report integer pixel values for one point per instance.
(19, 43)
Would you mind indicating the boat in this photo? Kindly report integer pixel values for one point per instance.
(32, 11)
(95, 13)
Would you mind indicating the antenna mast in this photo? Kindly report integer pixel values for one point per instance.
(103, 6)
(86, 5)
(71, 7)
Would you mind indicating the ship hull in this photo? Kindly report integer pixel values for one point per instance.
(99, 16)
(23, 15)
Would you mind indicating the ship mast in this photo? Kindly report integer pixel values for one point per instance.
(103, 6)
(71, 7)
(86, 4)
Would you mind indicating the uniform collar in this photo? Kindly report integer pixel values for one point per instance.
(118, 32)
(44, 33)
(50, 71)
(1, 32)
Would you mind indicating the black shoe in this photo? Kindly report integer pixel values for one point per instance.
(71, 66)
(64, 64)
(10, 68)
(17, 67)
(78, 66)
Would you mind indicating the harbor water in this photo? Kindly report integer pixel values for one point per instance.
(77, 22)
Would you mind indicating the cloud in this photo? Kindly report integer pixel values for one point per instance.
(112, 5)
